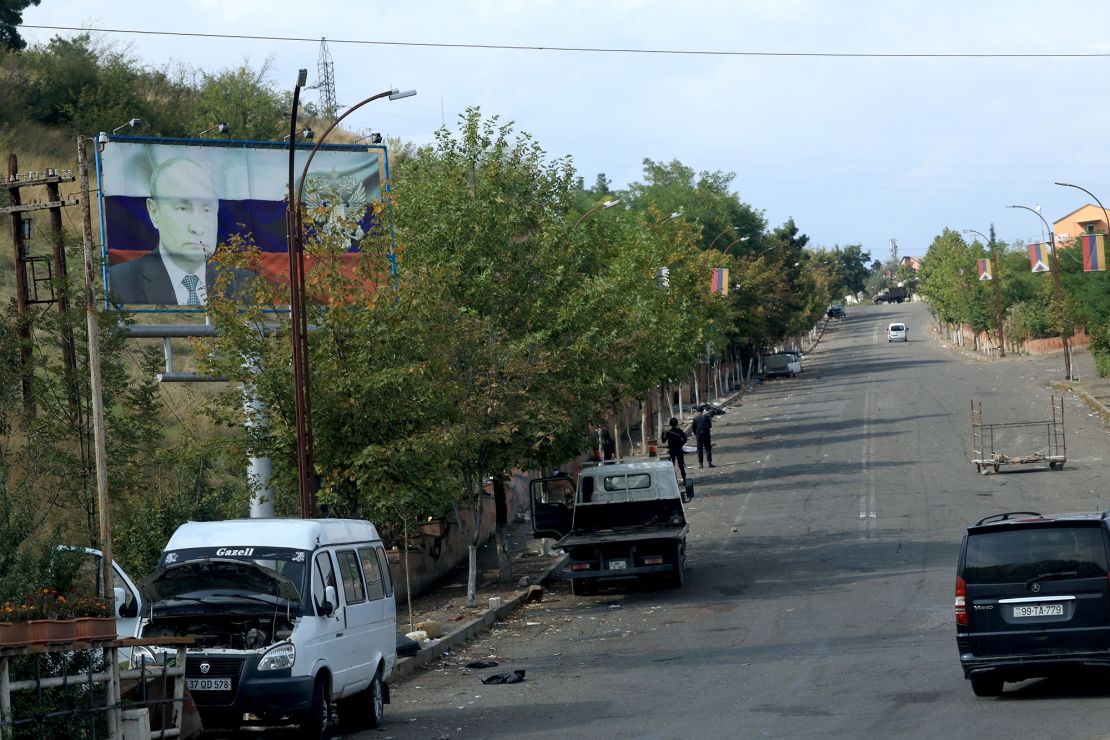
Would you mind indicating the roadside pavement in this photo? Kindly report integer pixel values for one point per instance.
(1085, 382)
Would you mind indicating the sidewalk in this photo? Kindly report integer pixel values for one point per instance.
(1094, 391)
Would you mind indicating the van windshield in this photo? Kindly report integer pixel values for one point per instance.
(286, 561)
(1019, 555)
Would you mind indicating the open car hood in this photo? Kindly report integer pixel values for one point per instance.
(216, 574)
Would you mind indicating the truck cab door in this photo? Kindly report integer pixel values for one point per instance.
(552, 501)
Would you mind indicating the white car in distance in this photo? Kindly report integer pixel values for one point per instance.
(897, 332)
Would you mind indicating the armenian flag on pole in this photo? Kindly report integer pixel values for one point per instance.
(1038, 257)
(985, 270)
(720, 281)
(1094, 252)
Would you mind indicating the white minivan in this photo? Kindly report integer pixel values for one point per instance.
(288, 616)
(897, 332)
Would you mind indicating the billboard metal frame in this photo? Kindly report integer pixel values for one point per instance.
(280, 147)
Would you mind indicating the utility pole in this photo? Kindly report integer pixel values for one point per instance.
(29, 284)
(16, 209)
(96, 391)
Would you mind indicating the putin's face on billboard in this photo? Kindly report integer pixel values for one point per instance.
(183, 206)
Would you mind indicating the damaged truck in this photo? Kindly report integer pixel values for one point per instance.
(620, 522)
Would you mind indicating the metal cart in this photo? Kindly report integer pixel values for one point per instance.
(983, 437)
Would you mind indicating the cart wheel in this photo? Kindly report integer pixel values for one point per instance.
(1056, 465)
(996, 467)
(978, 468)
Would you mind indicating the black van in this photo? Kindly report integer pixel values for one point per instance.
(1032, 597)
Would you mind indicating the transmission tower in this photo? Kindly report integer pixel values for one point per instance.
(325, 70)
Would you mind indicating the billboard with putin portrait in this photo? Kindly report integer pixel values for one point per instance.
(168, 205)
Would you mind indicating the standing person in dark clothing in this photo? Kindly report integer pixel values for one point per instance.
(674, 439)
(607, 444)
(703, 423)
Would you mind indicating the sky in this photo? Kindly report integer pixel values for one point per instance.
(802, 100)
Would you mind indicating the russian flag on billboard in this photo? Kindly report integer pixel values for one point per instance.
(985, 270)
(242, 188)
(1094, 252)
(1038, 257)
(720, 281)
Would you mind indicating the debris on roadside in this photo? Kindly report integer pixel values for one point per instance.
(516, 676)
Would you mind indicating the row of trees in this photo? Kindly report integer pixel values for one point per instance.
(950, 280)
(522, 312)
(525, 311)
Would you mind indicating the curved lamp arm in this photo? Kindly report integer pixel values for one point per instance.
(392, 94)
(1088, 192)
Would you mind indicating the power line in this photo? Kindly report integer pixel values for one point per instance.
(599, 49)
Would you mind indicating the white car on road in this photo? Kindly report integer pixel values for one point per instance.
(897, 333)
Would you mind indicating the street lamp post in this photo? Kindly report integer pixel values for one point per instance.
(727, 229)
(997, 291)
(1056, 281)
(734, 242)
(306, 477)
(598, 207)
(1088, 192)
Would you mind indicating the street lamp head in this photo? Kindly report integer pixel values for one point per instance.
(610, 203)
(302, 77)
(398, 95)
(133, 123)
(676, 214)
(223, 128)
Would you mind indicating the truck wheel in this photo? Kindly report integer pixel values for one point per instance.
(583, 586)
(678, 575)
(315, 724)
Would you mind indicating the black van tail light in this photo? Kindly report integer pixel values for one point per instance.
(961, 601)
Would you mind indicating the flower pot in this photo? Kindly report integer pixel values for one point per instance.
(51, 631)
(95, 628)
(13, 634)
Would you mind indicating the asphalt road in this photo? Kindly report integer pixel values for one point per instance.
(821, 572)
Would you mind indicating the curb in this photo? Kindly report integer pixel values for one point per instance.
(405, 667)
(1096, 405)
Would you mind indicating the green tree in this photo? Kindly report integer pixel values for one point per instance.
(11, 15)
(703, 199)
(243, 98)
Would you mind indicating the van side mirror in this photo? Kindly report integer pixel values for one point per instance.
(122, 608)
(330, 600)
